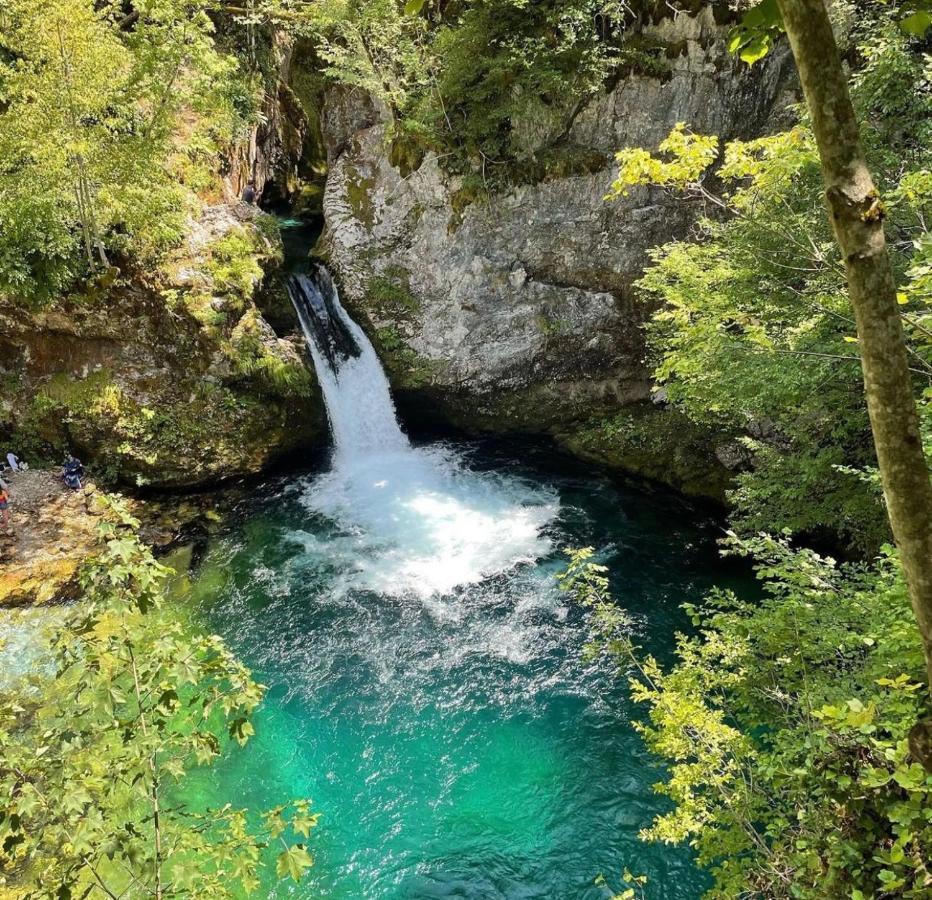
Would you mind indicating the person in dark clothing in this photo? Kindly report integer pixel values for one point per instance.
(72, 471)
(249, 192)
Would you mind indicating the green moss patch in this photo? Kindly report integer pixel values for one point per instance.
(407, 369)
(657, 443)
(388, 295)
(358, 190)
(253, 358)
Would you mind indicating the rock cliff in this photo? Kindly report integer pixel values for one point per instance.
(516, 311)
(169, 379)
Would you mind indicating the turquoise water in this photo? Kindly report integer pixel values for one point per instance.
(426, 683)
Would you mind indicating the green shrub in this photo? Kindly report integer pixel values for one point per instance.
(784, 725)
(94, 750)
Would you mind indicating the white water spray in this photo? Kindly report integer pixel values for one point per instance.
(412, 520)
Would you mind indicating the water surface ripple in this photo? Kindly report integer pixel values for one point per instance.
(427, 687)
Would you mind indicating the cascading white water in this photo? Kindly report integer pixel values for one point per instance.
(412, 520)
(356, 392)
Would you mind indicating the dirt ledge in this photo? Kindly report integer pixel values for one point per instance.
(54, 531)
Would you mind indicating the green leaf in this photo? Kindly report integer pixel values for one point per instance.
(292, 862)
(735, 39)
(303, 823)
(763, 16)
(917, 24)
(757, 48)
(414, 7)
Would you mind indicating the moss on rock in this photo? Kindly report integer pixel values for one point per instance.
(388, 294)
(358, 188)
(172, 384)
(659, 443)
(407, 370)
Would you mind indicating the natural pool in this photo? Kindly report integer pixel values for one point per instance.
(426, 682)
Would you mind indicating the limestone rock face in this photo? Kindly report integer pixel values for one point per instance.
(283, 155)
(517, 312)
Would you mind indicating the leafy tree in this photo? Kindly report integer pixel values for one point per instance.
(785, 726)
(857, 214)
(756, 331)
(459, 78)
(90, 104)
(93, 751)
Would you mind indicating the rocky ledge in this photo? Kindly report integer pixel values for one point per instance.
(53, 531)
(169, 379)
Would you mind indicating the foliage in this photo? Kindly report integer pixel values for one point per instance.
(253, 357)
(504, 60)
(233, 264)
(91, 102)
(784, 724)
(690, 155)
(468, 79)
(755, 333)
(632, 886)
(93, 752)
(182, 428)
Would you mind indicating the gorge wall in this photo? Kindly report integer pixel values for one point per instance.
(171, 376)
(515, 312)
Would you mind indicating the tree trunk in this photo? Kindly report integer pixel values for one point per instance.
(82, 218)
(82, 186)
(857, 218)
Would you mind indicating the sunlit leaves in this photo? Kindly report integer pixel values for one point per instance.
(783, 724)
(753, 331)
(88, 159)
(292, 862)
(466, 80)
(688, 156)
(93, 751)
(917, 23)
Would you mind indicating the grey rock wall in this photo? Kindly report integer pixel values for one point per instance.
(517, 312)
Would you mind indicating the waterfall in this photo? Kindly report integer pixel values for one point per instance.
(356, 392)
(409, 520)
